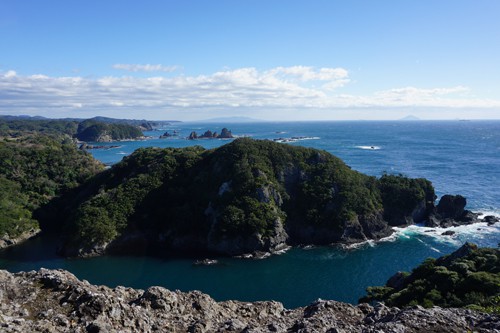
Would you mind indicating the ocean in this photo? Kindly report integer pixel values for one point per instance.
(459, 157)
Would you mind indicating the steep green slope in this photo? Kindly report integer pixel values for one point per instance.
(245, 196)
(33, 170)
(84, 130)
(469, 276)
(91, 130)
(15, 217)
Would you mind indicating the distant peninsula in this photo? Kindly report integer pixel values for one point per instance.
(97, 129)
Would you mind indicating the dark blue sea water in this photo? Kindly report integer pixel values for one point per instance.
(459, 157)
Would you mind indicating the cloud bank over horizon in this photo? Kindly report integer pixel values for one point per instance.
(145, 68)
(300, 92)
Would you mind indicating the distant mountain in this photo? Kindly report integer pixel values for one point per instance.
(131, 121)
(97, 118)
(410, 118)
(22, 117)
(231, 120)
(142, 124)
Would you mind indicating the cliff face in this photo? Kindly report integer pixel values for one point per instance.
(56, 301)
(243, 197)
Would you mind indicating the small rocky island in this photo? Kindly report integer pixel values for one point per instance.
(168, 134)
(224, 134)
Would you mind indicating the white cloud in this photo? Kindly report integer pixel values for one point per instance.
(307, 73)
(10, 74)
(145, 68)
(280, 88)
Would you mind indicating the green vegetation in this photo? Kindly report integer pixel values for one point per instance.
(188, 181)
(39, 162)
(15, 218)
(469, 277)
(91, 130)
(21, 127)
(33, 170)
(242, 189)
(401, 195)
(86, 130)
(240, 193)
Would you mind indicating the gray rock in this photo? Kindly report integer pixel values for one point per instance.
(490, 219)
(451, 206)
(463, 251)
(56, 301)
(7, 241)
(396, 281)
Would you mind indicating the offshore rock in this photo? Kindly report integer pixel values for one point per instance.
(451, 206)
(451, 212)
(225, 134)
(490, 219)
(56, 301)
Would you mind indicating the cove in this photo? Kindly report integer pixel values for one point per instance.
(294, 278)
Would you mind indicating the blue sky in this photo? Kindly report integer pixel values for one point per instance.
(276, 60)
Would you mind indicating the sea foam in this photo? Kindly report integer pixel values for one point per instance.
(369, 147)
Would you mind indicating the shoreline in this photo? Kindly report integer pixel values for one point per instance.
(57, 301)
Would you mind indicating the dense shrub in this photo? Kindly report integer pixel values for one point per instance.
(240, 189)
(33, 170)
(472, 279)
(91, 130)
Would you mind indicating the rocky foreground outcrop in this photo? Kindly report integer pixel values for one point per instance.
(56, 301)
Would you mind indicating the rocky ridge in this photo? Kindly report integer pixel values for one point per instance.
(56, 301)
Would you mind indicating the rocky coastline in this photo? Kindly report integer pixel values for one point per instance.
(7, 241)
(451, 212)
(247, 198)
(56, 301)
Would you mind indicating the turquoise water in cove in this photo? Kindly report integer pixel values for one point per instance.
(459, 157)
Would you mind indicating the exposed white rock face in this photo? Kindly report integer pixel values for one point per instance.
(56, 301)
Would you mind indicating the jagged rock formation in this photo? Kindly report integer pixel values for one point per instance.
(224, 134)
(167, 134)
(450, 211)
(56, 301)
